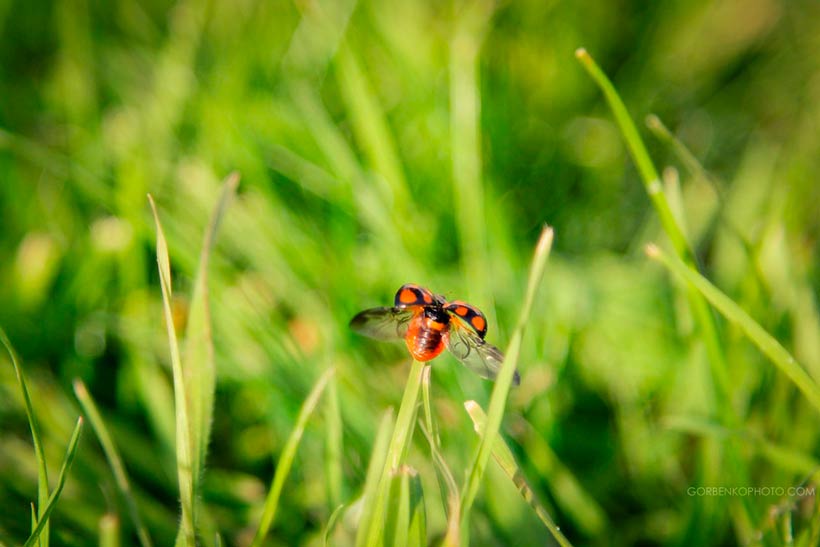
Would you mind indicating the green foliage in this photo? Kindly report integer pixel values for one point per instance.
(381, 143)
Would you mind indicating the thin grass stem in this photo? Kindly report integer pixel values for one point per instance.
(498, 399)
(39, 452)
(288, 455)
(114, 460)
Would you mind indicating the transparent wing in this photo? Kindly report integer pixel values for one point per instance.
(382, 323)
(477, 355)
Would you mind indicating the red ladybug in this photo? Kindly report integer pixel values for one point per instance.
(428, 323)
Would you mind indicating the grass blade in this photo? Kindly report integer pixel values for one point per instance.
(465, 141)
(397, 449)
(654, 190)
(331, 524)
(406, 522)
(183, 420)
(751, 328)
(447, 484)
(39, 453)
(501, 389)
(71, 451)
(505, 459)
(374, 470)
(288, 455)
(198, 360)
(333, 445)
(114, 459)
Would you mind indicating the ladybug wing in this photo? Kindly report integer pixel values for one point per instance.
(382, 323)
(477, 355)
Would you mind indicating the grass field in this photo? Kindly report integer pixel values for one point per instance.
(628, 191)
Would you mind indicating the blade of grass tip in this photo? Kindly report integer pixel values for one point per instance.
(782, 359)
(374, 471)
(662, 133)
(398, 447)
(331, 524)
(693, 165)
(184, 447)
(674, 232)
(505, 459)
(288, 455)
(109, 529)
(71, 452)
(417, 533)
(114, 460)
(198, 360)
(501, 389)
(39, 453)
(636, 147)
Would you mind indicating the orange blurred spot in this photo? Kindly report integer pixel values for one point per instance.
(461, 310)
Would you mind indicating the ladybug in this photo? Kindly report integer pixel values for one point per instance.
(428, 323)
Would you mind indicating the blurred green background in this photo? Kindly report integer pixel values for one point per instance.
(385, 142)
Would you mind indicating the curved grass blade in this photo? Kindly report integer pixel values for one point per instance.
(782, 359)
(114, 459)
(71, 451)
(198, 358)
(674, 232)
(505, 459)
(183, 420)
(331, 524)
(501, 389)
(288, 454)
(39, 453)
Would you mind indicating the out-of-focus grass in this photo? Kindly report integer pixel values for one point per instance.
(389, 142)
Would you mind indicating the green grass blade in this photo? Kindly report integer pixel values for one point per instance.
(447, 484)
(465, 141)
(782, 359)
(505, 459)
(39, 453)
(405, 421)
(397, 449)
(692, 164)
(183, 420)
(331, 524)
(378, 456)
(114, 459)
(417, 532)
(334, 451)
(71, 451)
(397, 518)
(674, 232)
(109, 528)
(501, 389)
(636, 147)
(198, 359)
(370, 125)
(288, 455)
